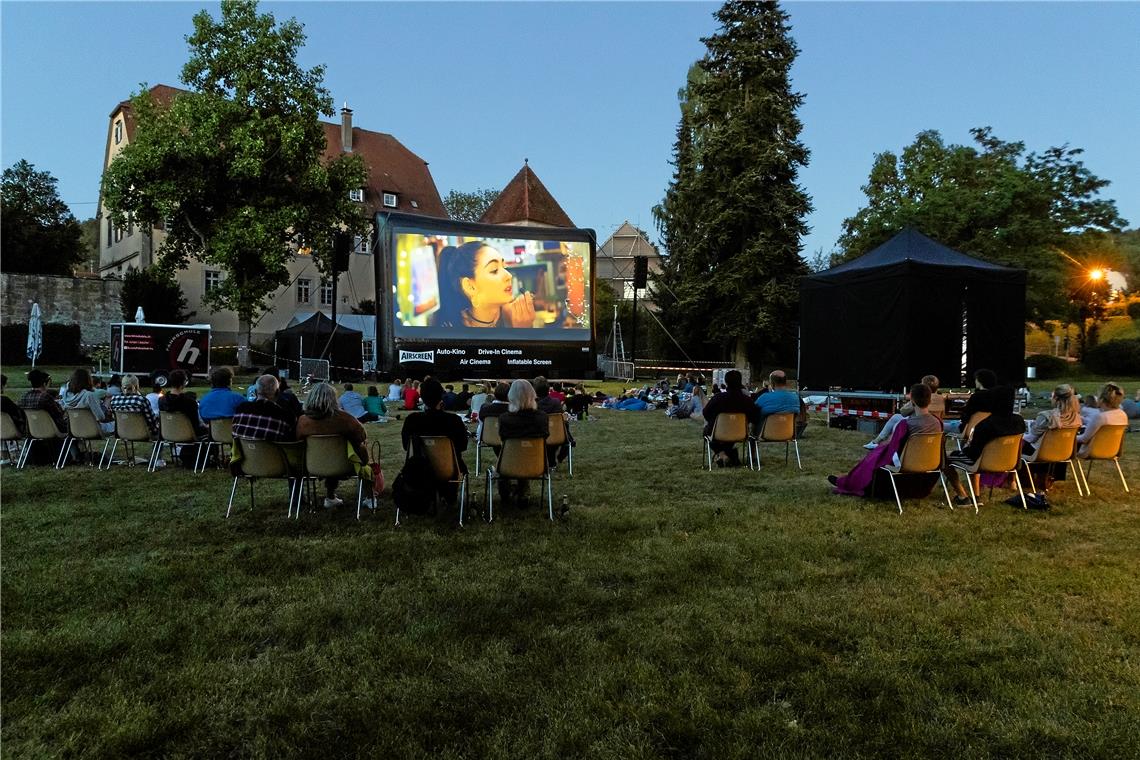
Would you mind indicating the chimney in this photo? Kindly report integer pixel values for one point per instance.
(346, 128)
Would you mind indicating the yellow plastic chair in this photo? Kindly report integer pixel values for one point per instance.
(259, 460)
(326, 456)
(560, 436)
(921, 454)
(82, 427)
(174, 428)
(130, 428)
(221, 435)
(1054, 447)
(779, 428)
(999, 456)
(444, 460)
(41, 427)
(1106, 444)
(488, 437)
(729, 427)
(520, 459)
(967, 432)
(11, 437)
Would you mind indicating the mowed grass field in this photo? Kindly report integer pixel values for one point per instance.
(672, 612)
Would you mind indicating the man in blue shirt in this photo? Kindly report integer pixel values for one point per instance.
(221, 402)
(353, 403)
(779, 399)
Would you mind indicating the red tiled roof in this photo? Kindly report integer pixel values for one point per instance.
(392, 168)
(526, 199)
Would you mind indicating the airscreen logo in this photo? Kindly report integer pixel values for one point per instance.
(417, 356)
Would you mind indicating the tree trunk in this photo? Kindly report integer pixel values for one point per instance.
(244, 331)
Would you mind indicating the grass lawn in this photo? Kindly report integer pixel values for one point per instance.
(672, 613)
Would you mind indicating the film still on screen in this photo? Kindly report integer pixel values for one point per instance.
(455, 284)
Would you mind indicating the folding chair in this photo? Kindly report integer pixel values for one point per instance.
(1055, 446)
(131, 428)
(41, 427)
(967, 431)
(1107, 444)
(921, 454)
(258, 460)
(778, 428)
(11, 437)
(84, 428)
(488, 436)
(560, 436)
(729, 427)
(221, 435)
(999, 456)
(326, 456)
(444, 460)
(174, 428)
(520, 459)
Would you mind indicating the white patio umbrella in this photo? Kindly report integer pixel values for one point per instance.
(139, 316)
(35, 334)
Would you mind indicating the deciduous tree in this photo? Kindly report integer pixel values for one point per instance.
(38, 234)
(159, 295)
(469, 207)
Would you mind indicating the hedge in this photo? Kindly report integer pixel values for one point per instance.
(1048, 367)
(1115, 357)
(61, 345)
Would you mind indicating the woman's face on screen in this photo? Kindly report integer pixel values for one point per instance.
(492, 283)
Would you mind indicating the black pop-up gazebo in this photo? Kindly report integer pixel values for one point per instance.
(909, 308)
(309, 338)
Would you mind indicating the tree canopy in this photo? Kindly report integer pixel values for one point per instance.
(733, 215)
(38, 234)
(1037, 211)
(234, 168)
(469, 207)
(159, 295)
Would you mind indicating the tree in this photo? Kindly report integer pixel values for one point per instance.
(733, 215)
(159, 295)
(469, 207)
(90, 242)
(991, 200)
(367, 307)
(38, 234)
(235, 166)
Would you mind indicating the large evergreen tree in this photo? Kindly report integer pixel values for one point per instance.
(733, 216)
(38, 234)
(992, 200)
(235, 166)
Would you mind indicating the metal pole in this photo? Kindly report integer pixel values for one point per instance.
(633, 352)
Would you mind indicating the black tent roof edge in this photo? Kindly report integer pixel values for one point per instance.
(325, 325)
(911, 245)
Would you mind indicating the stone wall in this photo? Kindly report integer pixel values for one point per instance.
(91, 304)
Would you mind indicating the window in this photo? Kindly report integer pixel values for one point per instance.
(415, 205)
(390, 200)
(213, 279)
(118, 233)
(326, 293)
(361, 243)
(110, 232)
(118, 131)
(304, 285)
(356, 195)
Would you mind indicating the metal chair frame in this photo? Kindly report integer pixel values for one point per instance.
(444, 460)
(221, 435)
(337, 447)
(1109, 438)
(560, 436)
(729, 427)
(488, 437)
(785, 434)
(138, 431)
(252, 448)
(1007, 446)
(169, 435)
(13, 439)
(84, 428)
(41, 427)
(528, 455)
(1056, 446)
(922, 454)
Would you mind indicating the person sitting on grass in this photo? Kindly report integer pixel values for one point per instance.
(351, 402)
(1131, 406)
(546, 402)
(731, 400)
(433, 421)
(937, 408)
(221, 402)
(322, 417)
(411, 395)
(521, 420)
(1108, 413)
(132, 400)
(79, 393)
(859, 481)
(374, 403)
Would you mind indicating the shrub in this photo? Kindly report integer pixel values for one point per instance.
(1134, 310)
(1048, 367)
(223, 357)
(61, 345)
(1116, 357)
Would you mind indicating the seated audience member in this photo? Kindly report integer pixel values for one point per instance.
(691, 407)
(155, 394)
(395, 390)
(1065, 413)
(578, 402)
(1003, 420)
(411, 394)
(40, 396)
(178, 399)
(937, 408)
(483, 394)
(521, 420)
(449, 397)
(263, 419)
(546, 403)
(779, 399)
(221, 401)
(115, 385)
(374, 404)
(1108, 413)
(432, 421)
(351, 402)
(79, 393)
(1131, 406)
(731, 400)
(498, 403)
(322, 417)
(859, 481)
(463, 399)
(9, 407)
(556, 392)
(1090, 408)
(132, 400)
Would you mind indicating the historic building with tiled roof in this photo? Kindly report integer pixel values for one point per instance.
(526, 201)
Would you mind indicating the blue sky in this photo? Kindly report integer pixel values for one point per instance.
(587, 91)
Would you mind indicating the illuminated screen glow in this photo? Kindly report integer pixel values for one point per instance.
(488, 288)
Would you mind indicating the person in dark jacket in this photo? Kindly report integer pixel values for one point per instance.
(435, 421)
(732, 399)
(521, 420)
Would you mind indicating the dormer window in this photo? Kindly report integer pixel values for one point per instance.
(356, 195)
(118, 131)
(391, 200)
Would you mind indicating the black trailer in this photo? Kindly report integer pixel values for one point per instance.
(153, 350)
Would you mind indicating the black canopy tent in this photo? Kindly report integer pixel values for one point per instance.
(309, 338)
(899, 312)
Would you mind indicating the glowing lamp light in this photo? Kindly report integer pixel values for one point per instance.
(1096, 275)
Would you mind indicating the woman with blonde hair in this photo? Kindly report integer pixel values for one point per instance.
(323, 416)
(1109, 413)
(1065, 413)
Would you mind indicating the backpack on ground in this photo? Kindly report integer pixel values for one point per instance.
(414, 487)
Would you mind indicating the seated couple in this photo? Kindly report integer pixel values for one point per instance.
(937, 408)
